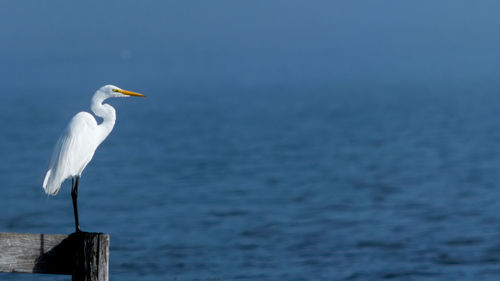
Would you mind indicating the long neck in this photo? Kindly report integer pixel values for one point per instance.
(106, 112)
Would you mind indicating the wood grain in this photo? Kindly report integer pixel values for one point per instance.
(83, 255)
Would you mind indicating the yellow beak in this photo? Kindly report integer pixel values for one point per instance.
(128, 93)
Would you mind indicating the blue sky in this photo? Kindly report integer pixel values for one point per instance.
(243, 44)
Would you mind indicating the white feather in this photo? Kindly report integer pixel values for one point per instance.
(73, 151)
(82, 136)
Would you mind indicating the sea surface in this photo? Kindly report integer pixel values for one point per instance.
(270, 183)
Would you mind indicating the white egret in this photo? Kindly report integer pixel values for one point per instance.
(77, 145)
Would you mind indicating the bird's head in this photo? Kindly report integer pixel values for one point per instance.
(110, 91)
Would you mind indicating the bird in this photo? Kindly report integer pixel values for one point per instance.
(79, 141)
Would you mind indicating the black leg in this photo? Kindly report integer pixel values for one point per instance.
(74, 196)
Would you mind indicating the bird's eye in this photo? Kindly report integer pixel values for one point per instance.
(115, 90)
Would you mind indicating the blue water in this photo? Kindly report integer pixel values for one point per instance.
(268, 184)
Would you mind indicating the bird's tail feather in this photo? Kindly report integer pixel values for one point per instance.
(49, 185)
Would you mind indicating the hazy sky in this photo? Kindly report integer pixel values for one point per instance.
(216, 44)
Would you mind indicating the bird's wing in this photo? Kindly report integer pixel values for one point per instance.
(72, 152)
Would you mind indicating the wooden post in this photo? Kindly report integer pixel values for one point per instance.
(92, 254)
(83, 255)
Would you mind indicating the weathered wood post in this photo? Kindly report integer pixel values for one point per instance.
(83, 255)
(91, 257)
